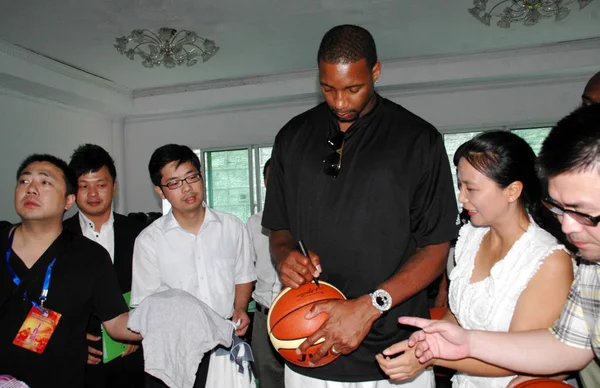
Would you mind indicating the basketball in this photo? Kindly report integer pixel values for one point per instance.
(542, 383)
(288, 328)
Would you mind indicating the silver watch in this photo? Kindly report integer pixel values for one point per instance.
(382, 300)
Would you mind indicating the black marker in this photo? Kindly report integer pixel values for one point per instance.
(304, 251)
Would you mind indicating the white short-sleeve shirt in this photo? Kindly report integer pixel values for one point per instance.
(208, 264)
(268, 283)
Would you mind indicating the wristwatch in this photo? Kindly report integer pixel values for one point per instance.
(382, 300)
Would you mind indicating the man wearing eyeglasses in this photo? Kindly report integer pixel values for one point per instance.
(590, 375)
(570, 161)
(366, 185)
(202, 251)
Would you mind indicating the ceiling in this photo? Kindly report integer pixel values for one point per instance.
(263, 37)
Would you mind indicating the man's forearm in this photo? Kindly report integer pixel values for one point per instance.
(243, 293)
(535, 352)
(117, 328)
(281, 244)
(420, 271)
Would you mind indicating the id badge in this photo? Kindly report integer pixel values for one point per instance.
(37, 329)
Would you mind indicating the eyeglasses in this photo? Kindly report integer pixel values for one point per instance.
(559, 211)
(177, 183)
(333, 162)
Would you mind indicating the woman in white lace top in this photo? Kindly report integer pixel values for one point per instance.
(510, 274)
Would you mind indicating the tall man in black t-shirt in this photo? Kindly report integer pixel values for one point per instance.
(367, 186)
(51, 282)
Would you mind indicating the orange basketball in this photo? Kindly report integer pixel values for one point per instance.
(288, 328)
(542, 383)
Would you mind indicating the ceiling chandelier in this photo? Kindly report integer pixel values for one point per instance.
(168, 47)
(527, 11)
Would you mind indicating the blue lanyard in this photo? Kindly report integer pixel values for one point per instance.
(17, 280)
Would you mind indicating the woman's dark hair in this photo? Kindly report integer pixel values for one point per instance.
(505, 158)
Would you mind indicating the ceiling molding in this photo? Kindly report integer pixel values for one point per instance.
(262, 104)
(562, 47)
(428, 74)
(55, 104)
(222, 84)
(60, 68)
(478, 84)
(391, 92)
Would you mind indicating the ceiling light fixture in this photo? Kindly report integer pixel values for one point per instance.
(168, 47)
(527, 11)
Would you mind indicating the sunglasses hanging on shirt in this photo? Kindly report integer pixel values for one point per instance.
(333, 162)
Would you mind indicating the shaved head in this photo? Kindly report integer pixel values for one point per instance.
(591, 93)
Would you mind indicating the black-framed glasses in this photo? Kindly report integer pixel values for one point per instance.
(333, 162)
(177, 183)
(559, 211)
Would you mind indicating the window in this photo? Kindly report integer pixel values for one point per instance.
(533, 136)
(262, 154)
(233, 179)
(227, 181)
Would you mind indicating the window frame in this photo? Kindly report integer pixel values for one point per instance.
(256, 189)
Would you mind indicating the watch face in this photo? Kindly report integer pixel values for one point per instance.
(382, 300)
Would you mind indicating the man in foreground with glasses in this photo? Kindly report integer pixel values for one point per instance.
(202, 251)
(96, 177)
(366, 185)
(590, 375)
(570, 161)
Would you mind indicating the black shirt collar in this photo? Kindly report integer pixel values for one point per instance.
(356, 126)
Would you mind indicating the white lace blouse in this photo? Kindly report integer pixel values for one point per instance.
(489, 304)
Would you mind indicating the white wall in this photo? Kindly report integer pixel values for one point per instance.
(518, 88)
(35, 126)
(486, 105)
(223, 128)
(30, 126)
(492, 105)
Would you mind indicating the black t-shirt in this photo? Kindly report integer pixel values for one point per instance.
(83, 283)
(392, 195)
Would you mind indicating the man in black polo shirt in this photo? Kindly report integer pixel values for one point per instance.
(51, 282)
(367, 186)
